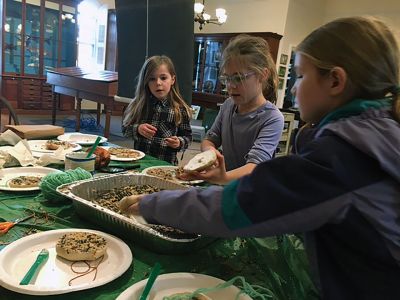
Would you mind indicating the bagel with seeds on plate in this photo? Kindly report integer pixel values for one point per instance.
(54, 145)
(24, 182)
(201, 161)
(76, 246)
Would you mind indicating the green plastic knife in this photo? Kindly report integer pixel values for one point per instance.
(40, 260)
(153, 275)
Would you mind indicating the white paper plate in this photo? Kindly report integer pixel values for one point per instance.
(145, 171)
(9, 173)
(172, 283)
(53, 277)
(40, 146)
(116, 158)
(81, 138)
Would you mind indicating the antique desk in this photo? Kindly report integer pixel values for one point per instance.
(99, 86)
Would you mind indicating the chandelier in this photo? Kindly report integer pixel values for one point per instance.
(203, 18)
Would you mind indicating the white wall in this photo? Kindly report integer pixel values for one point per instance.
(387, 10)
(303, 16)
(247, 16)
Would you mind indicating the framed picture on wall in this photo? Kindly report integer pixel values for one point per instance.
(282, 71)
(280, 83)
(284, 59)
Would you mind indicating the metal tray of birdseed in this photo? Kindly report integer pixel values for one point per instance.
(158, 238)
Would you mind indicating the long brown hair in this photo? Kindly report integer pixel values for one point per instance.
(137, 108)
(253, 52)
(366, 49)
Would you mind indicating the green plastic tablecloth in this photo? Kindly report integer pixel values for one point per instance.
(276, 263)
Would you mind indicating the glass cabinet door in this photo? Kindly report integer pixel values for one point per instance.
(50, 35)
(206, 66)
(68, 36)
(211, 67)
(32, 38)
(12, 37)
(198, 66)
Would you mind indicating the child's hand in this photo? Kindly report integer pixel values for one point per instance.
(172, 142)
(216, 174)
(130, 204)
(147, 130)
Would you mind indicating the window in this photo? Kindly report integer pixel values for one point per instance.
(91, 36)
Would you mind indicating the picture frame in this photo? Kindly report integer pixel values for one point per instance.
(284, 59)
(280, 83)
(282, 71)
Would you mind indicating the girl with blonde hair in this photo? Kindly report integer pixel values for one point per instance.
(248, 126)
(158, 119)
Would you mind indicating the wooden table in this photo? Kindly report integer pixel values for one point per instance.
(98, 86)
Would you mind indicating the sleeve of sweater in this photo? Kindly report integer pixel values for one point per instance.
(283, 195)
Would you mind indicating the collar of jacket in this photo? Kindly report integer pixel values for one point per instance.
(156, 101)
(354, 108)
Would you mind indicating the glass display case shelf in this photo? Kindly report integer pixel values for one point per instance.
(35, 37)
(208, 48)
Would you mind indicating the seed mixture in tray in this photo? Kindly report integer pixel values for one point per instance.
(110, 200)
(166, 174)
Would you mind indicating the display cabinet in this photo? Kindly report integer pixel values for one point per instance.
(285, 140)
(37, 35)
(207, 89)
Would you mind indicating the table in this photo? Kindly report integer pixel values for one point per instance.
(260, 261)
(100, 87)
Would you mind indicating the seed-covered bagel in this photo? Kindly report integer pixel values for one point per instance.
(201, 161)
(25, 182)
(76, 246)
(54, 145)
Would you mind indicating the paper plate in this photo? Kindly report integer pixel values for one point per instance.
(53, 277)
(172, 283)
(146, 171)
(9, 173)
(40, 146)
(116, 158)
(81, 138)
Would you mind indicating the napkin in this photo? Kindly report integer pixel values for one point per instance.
(36, 131)
(21, 155)
(9, 138)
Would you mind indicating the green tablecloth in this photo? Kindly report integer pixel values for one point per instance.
(277, 263)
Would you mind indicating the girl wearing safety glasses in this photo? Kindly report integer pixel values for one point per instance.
(248, 126)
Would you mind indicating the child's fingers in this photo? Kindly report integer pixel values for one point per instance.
(129, 201)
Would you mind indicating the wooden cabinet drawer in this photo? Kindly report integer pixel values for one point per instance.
(30, 98)
(46, 87)
(47, 94)
(31, 105)
(47, 99)
(31, 82)
(30, 93)
(47, 105)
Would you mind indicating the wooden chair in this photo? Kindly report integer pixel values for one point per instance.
(4, 103)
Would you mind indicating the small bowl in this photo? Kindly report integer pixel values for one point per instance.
(79, 159)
